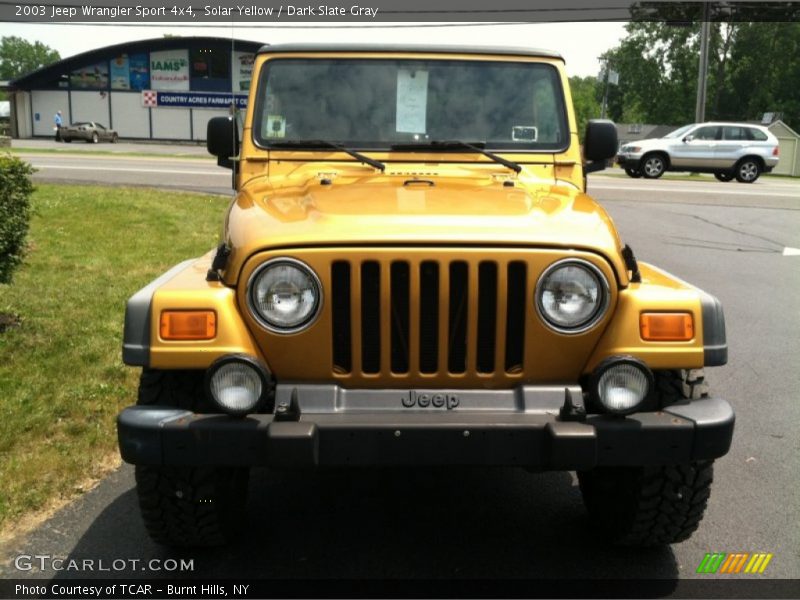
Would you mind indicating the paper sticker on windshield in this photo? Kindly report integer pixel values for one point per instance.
(524, 133)
(275, 126)
(412, 100)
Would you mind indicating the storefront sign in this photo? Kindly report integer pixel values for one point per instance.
(91, 77)
(154, 98)
(120, 73)
(140, 71)
(242, 70)
(169, 70)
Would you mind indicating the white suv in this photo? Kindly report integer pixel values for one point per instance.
(728, 150)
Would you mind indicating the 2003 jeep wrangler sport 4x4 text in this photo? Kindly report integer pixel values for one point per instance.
(410, 274)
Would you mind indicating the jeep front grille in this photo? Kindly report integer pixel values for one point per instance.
(428, 317)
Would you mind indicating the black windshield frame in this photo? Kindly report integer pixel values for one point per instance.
(561, 144)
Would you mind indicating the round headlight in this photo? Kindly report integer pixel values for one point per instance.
(571, 295)
(284, 295)
(621, 384)
(236, 385)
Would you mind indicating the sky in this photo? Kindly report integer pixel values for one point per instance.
(579, 43)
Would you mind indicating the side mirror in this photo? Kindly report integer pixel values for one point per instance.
(688, 138)
(222, 140)
(600, 144)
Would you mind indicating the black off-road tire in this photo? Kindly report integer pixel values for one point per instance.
(679, 386)
(647, 506)
(652, 506)
(724, 176)
(631, 172)
(187, 506)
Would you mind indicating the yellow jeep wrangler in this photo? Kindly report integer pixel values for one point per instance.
(412, 274)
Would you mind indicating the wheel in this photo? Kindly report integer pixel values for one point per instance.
(66, 140)
(748, 170)
(95, 138)
(651, 506)
(653, 166)
(188, 506)
(635, 173)
(114, 138)
(647, 506)
(724, 175)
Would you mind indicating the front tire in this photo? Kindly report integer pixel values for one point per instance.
(187, 506)
(748, 170)
(631, 172)
(653, 166)
(652, 506)
(647, 506)
(95, 138)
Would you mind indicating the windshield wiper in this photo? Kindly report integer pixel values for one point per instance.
(327, 144)
(455, 144)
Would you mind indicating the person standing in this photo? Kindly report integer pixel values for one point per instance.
(59, 123)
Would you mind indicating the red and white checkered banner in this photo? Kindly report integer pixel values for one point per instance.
(149, 98)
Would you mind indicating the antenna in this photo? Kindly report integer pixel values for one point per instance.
(234, 109)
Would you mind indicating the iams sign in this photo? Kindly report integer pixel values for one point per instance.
(169, 65)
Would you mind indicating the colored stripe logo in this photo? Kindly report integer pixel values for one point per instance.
(734, 563)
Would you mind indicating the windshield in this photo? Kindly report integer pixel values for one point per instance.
(679, 132)
(377, 103)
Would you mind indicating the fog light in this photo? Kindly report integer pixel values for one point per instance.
(236, 384)
(621, 384)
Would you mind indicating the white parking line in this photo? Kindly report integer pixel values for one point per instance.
(134, 170)
(791, 251)
(693, 190)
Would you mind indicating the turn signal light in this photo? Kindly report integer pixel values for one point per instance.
(666, 327)
(188, 324)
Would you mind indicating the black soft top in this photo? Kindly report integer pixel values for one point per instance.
(413, 48)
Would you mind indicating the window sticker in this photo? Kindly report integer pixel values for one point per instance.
(412, 101)
(524, 133)
(275, 126)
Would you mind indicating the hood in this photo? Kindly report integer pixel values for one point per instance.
(646, 143)
(416, 209)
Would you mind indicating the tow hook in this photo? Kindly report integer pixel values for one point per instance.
(571, 411)
(288, 412)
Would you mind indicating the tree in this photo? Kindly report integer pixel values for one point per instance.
(764, 73)
(753, 68)
(585, 101)
(19, 57)
(657, 66)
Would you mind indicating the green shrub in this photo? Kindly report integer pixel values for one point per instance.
(15, 212)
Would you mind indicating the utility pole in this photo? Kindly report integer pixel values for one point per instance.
(702, 73)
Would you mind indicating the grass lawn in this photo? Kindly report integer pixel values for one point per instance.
(62, 380)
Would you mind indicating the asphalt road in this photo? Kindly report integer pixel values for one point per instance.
(729, 239)
(190, 174)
